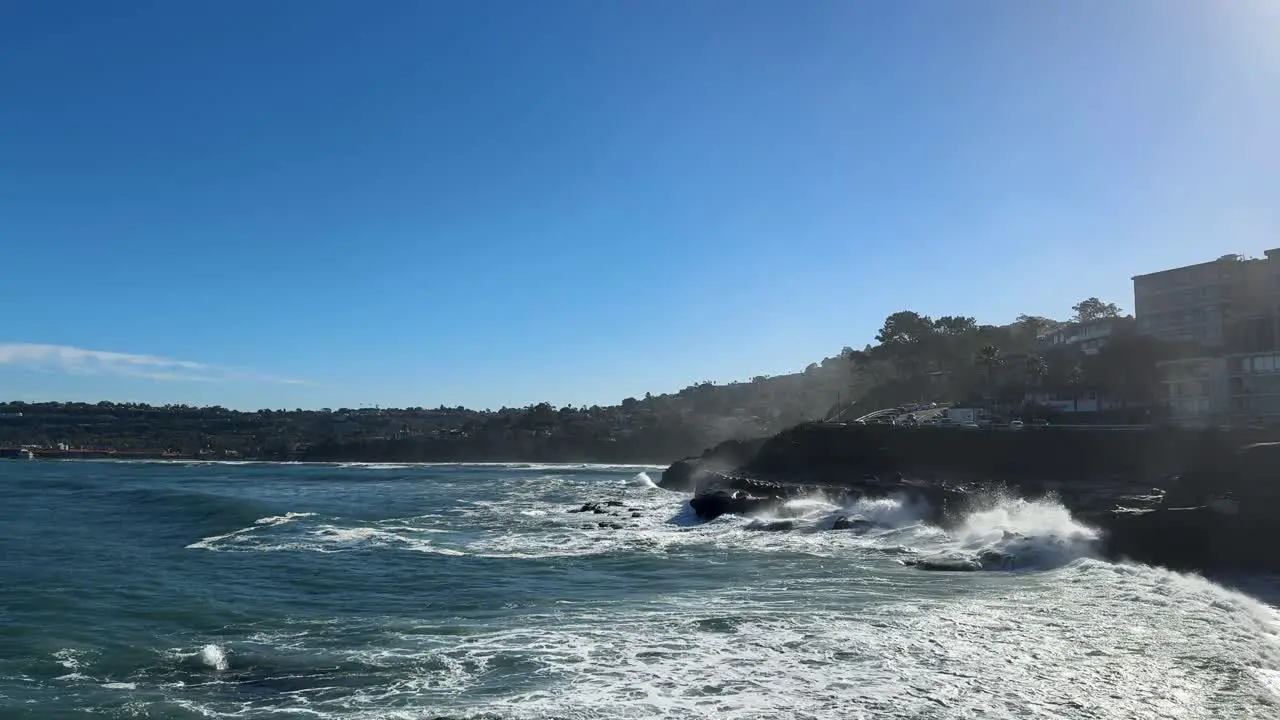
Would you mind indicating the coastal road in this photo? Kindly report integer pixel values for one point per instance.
(919, 415)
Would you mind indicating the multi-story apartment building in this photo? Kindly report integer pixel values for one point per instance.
(1230, 309)
(1089, 337)
(1199, 303)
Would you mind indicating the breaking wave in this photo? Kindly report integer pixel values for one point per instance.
(642, 479)
(1007, 533)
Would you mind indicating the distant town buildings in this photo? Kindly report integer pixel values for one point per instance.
(1229, 311)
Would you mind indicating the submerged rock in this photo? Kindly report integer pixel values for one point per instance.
(857, 525)
(712, 505)
(995, 560)
(772, 525)
(945, 564)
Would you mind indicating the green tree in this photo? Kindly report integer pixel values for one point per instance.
(907, 340)
(905, 328)
(955, 326)
(1033, 326)
(1094, 309)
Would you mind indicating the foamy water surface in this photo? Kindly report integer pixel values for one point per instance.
(410, 591)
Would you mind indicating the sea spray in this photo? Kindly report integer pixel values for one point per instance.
(1041, 518)
(215, 657)
(1004, 531)
(890, 512)
(642, 480)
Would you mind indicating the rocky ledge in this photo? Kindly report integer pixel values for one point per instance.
(1188, 500)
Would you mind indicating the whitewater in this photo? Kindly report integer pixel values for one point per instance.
(256, 590)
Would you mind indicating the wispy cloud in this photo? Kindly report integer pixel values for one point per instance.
(78, 361)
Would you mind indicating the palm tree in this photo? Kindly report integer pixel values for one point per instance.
(1036, 368)
(990, 358)
(1075, 378)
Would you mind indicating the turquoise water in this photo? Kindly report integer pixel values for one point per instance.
(174, 590)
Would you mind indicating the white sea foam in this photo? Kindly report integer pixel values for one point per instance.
(1002, 648)
(244, 534)
(282, 519)
(70, 658)
(120, 686)
(523, 523)
(806, 506)
(215, 657)
(376, 466)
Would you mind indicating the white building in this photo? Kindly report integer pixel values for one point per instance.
(1088, 402)
(1253, 385)
(1227, 388)
(1088, 337)
(1195, 389)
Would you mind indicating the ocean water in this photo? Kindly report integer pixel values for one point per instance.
(173, 590)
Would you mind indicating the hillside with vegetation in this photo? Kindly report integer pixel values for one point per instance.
(1016, 368)
(915, 358)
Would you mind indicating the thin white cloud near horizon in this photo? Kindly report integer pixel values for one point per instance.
(79, 361)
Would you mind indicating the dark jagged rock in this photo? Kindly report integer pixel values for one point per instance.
(693, 473)
(1194, 539)
(712, 505)
(1033, 460)
(1219, 516)
(614, 503)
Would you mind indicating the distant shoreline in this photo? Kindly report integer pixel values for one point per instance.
(101, 456)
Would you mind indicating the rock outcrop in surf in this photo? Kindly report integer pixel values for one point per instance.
(1184, 499)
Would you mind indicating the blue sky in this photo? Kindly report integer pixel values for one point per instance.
(289, 203)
